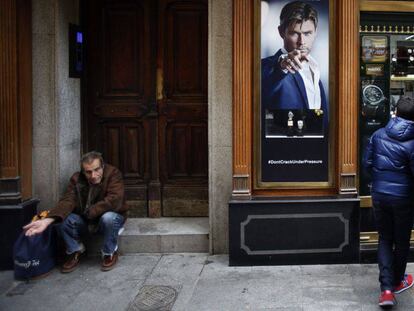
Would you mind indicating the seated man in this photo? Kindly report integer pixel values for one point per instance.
(94, 202)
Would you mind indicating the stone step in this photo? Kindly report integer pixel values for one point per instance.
(161, 235)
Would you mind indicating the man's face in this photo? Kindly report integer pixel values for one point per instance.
(299, 36)
(93, 171)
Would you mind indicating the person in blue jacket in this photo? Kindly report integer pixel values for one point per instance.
(389, 159)
(290, 79)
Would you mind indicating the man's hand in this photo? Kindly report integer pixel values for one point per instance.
(37, 226)
(292, 62)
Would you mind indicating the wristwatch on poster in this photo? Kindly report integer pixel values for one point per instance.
(372, 101)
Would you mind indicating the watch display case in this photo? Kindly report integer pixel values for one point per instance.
(386, 74)
(374, 93)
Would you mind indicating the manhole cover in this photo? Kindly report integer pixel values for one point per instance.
(154, 297)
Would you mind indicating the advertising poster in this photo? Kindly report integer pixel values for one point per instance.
(294, 84)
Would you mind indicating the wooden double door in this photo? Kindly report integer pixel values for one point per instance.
(145, 100)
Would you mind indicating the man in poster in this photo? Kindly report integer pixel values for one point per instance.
(291, 77)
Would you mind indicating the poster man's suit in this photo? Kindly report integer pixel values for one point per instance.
(285, 90)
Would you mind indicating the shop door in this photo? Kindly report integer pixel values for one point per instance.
(145, 100)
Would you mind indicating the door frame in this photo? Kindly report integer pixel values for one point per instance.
(154, 199)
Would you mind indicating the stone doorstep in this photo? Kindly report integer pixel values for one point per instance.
(160, 235)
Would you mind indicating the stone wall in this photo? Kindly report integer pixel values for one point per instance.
(220, 121)
(56, 100)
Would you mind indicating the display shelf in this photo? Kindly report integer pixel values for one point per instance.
(402, 78)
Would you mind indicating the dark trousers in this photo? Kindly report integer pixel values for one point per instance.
(394, 220)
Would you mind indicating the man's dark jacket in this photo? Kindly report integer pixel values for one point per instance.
(108, 196)
(389, 158)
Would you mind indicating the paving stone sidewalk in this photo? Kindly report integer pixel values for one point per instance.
(198, 282)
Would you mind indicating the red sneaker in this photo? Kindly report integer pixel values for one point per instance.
(387, 299)
(405, 284)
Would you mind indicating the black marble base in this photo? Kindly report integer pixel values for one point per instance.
(294, 231)
(10, 192)
(12, 218)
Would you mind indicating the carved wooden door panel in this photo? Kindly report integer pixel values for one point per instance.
(145, 100)
(182, 106)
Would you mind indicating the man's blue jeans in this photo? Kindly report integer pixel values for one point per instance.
(74, 228)
(394, 219)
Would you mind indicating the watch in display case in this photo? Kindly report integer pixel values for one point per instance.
(373, 100)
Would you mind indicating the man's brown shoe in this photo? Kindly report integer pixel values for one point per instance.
(108, 261)
(72, 262)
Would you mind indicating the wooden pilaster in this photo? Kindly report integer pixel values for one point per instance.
(347, 12)
(242, 97)
(8, 90)
(15, 98)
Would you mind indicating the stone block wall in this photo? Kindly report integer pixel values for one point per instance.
(56, 100)
(220, 121)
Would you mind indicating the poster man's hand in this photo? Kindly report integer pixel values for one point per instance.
(292, 62)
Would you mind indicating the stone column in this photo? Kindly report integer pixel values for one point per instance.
(56, 100)
(220, 121)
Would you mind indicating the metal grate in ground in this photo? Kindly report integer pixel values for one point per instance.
(154, 297)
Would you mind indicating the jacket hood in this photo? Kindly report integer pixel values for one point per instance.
(400, 129)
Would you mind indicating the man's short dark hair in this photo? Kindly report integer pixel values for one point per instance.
(297, 12)
(405, 108)
(90, 157)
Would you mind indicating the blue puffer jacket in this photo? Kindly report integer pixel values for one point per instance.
(389, 158)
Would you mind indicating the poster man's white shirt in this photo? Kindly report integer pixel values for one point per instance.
(310, 74)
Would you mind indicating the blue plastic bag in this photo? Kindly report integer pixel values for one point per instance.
(34, 255)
